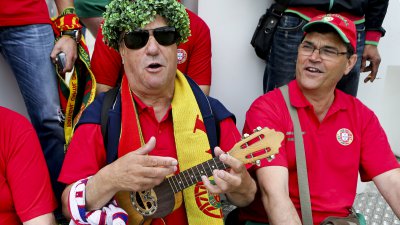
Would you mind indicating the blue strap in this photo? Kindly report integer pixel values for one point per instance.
(110, 122)
(114, 130)
(212, 111)
(207, 113)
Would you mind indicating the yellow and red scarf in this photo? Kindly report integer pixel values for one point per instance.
(80, 91)
(200, 206)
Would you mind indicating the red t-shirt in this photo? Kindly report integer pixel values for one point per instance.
(194, 56)
(348, 140)
(23, 12)
(86, 154)
(25, 189)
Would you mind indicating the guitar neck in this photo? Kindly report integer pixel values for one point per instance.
(193, 175)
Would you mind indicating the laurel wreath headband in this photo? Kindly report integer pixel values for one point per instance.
(127, 15)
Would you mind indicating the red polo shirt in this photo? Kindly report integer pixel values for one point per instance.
(25, 188)
(23, 12)
(348, 140)
(86, 154)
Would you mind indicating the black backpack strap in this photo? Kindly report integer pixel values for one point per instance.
(108, 102)
(105, 110)
(111, 123)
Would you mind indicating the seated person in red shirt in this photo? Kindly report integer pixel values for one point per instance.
(342, 137)
(194, 58)
(161, 132)
(25, 190)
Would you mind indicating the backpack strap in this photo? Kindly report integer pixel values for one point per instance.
(108, 103)
(113, 122)
(105, 110)
(212, 111)
(207, 113)
(92, 113)
(301, 161)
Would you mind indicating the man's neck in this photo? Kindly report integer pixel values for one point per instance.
(321, 102)
(160, 102)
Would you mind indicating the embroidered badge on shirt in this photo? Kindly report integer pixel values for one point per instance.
(182, 56)
(344, 136)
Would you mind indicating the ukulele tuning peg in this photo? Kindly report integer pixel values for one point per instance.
(270, 158)
(258, 162)
(258, 128)
(245, 136)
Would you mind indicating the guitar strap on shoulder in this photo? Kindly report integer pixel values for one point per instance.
(305, 202)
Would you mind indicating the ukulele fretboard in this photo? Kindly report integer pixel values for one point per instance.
(193, 175)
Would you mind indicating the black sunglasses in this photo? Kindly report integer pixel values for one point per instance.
(138, 38)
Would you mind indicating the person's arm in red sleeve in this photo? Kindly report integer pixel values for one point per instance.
(199, 58)
(25, 170)
(106, 64)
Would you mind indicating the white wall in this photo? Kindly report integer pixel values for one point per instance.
(10, 97)
(383, 96)
(237, 72)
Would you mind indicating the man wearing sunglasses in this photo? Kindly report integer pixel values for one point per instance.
(342, 137)
(161, 131)
(194, 58)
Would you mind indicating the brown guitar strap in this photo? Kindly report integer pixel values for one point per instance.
(305, 202)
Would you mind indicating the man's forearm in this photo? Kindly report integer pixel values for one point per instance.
(281, 211)
(45, 219)
(388, 185)
(205, 89)
(99, 190)
(63, 4)
(244, 198)
(97, 194)
(100, 88)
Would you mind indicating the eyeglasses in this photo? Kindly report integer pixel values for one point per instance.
(138, 38)
(326, 53)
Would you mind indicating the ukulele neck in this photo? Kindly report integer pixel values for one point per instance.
(193, 175)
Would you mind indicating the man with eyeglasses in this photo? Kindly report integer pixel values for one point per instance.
(368, 16)
(160, 130)
(342, 137)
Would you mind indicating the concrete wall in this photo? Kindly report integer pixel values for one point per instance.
(10, 97)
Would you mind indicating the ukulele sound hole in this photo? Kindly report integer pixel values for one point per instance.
(145, 202)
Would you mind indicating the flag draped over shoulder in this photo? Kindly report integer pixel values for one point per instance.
(77, 92)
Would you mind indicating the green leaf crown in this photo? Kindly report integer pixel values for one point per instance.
(127, 15)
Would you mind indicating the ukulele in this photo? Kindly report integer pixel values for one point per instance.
(163, 199)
